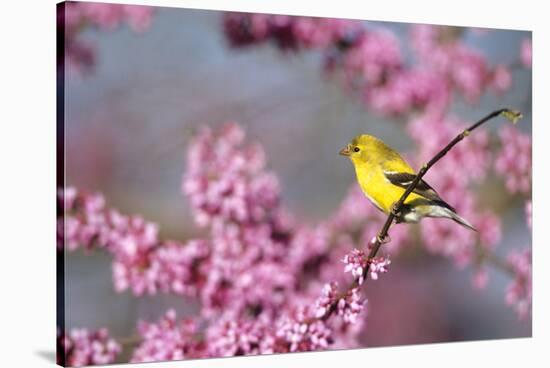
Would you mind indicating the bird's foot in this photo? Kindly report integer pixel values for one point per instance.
(383, 240)
(395, 210)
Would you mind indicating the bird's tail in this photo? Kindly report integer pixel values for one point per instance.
(460, 220)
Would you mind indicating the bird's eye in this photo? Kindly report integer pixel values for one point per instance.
(356, 149)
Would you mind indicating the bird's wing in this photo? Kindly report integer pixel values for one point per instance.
(404, 179)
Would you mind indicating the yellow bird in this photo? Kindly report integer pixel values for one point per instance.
(384, 176)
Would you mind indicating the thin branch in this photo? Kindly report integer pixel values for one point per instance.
(509, 114)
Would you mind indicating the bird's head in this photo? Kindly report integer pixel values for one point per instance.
(361, 148)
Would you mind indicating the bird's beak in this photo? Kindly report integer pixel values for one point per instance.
(345, 151)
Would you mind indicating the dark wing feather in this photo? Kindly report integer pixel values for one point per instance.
(403, 180)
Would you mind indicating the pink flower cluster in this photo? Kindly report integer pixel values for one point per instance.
(371, 61)
(526, 53)
(440, 49)
(519, 291)
(233, 337)
(81, 347)
(141, 262)
(249, 275)
(514, 161)
(357, 262)
(78, 16)
(226, 180)
(300, 336)
(287, 32)
(168, 339)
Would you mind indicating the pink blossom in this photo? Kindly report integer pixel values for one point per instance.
(489, 227)
(446, 238)
(232, 337)
(138, 17)
(410, 89)
(80, 54)
(169, 267)
(354, 211)
(141, 261)
(501, 79)
(356, 262)
(372, 58)
(378, 265)
(350, 306)
(513, 161)
(226, 180)
(441, 49)
(327, 298)
(323, 32)
(168, 339)
(469, 72)
(110, 16)
(301, 336)
(83, 347)
(526, 53)
(518, 293)
(285, 31)
(480, 278)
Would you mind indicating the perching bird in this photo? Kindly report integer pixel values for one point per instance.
(384, 176)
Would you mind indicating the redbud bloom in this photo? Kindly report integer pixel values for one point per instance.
(141, 262)
(445, 238)
(226, 181)
(372, 58)
(323, 32)
(480, 278)
(246, 29)
(513, 161)
(231, 336)
(378, 265)
(356, 263)
(138, 17)
(168, 339)
(526, 54)
(489, 229)
(83, 347)
(518, 294)
(325, 301)
(441, 49)
(79, 53)
(350, 306)
(408, 89)
(88, 228)
(287, 32)
(354, 210)
(308, 245)
(301, 336)
(109, 16)
(501, 79)
(469, 72)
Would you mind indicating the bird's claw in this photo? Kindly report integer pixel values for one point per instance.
(395, 210)
(383, 240)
